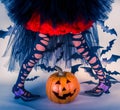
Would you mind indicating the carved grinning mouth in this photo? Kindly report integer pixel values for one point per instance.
(65, 95)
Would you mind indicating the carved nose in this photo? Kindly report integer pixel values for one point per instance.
(63, 89)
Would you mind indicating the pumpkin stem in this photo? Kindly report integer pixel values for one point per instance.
(60, 71)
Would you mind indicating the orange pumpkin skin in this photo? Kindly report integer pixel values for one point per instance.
(62, 89)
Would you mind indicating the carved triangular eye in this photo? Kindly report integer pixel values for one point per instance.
(58, 82)
(68, 81)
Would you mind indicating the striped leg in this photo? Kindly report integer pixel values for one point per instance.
(37, 52)
(80, 43)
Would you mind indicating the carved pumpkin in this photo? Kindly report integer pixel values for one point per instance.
(62, 87)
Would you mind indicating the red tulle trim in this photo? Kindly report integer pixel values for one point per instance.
(61, 29)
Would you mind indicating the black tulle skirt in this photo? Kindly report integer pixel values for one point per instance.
(58, 11)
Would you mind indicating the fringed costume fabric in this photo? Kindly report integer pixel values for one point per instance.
(59, 20)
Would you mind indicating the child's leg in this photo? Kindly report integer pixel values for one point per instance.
(38, 49)
(82, 48)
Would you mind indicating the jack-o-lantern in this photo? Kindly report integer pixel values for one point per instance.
(62, 87)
